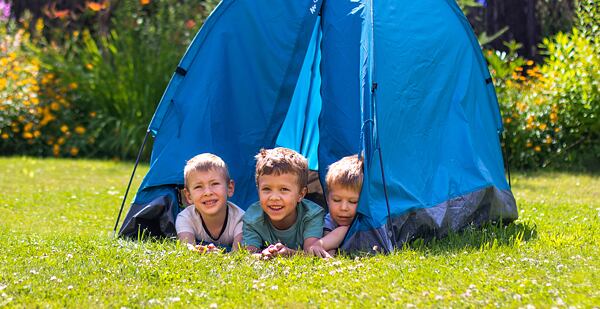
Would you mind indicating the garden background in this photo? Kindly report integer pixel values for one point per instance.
(80, 80)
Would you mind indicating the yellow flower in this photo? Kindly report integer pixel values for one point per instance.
(553, 117)
(89, 66)
(529, 144)
(79, 130)
(35, 101)
(507, 120)
(54, 106)
(64, 128)
(27, 135)
(518, 69)
(543, 126)
(73, 86)
(4, 135)
(28, 127)
(39, 25)
(93, 114)
(74, 151)
(36, 133)
(60, 141)
(556, 130)
(56, 150)
(3, 83)
(537, 148)
(529, 62)
(548, 139)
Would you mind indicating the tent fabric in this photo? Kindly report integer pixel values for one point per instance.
(403, 83)
(241, 71)
(432, 112)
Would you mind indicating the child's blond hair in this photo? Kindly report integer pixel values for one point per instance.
(205, 162)
(347, 173)
(282, 160)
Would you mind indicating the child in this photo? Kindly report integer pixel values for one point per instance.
(281, 218)
(344, 182)
(212, 219)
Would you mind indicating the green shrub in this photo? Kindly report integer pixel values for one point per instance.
(35, 116)
(551, 112)
(122, 76)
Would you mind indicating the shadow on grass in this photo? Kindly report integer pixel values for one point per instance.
(489, 236)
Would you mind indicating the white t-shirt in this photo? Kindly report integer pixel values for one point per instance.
(189, 221)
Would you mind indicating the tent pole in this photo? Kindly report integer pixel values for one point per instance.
(506, 153)
(137, 161)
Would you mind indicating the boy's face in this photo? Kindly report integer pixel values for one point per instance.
(278, 198)
(208, 191)
(342, 204)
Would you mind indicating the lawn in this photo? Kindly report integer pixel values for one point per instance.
(56, 219)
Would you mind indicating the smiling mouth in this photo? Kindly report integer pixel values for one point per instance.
(210, 202)
(275, 208)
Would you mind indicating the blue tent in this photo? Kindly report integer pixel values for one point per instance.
(402, 82)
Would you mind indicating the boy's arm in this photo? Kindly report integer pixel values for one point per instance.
(187, 238)
(237, 239)
(333, 239)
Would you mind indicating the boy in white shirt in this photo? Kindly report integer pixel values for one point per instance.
(212, 220)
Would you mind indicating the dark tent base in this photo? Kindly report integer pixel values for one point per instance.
(474, 209)
(155, 219)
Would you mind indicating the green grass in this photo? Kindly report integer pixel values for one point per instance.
(56, 219)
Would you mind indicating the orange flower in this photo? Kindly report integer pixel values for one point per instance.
(5, 136)
(144, 2)
(56, 150)
(54, 106)
(73, 86)
(74, 151)
(93, 114)
(507, 120)
(95, 6)
(553, 117)
(556, 130)
(529, 144)
(529, 62)
(64, 128)
(518, 69)
(27, 135)
(190, 24)
(537, 148)
(60, 141)
(79, 130)
(89, 66)
(36, 133)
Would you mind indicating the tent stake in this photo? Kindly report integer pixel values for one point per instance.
(137, 161)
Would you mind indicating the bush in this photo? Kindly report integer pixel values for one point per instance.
(551, 112)
(121, 76)
(35, 116)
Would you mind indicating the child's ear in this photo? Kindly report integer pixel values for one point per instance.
(230, 188)
(188, 196)
(302, 193)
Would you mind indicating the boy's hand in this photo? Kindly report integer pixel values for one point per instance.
(317, 250)
(277, 249)
(204, 248)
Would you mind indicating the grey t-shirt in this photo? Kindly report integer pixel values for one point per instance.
(189, 221)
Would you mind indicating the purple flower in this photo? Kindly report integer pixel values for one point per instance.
(482, 2)
(4, 10)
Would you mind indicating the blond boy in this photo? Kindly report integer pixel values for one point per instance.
(344, 182)
(282, 220)
(212, 219)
